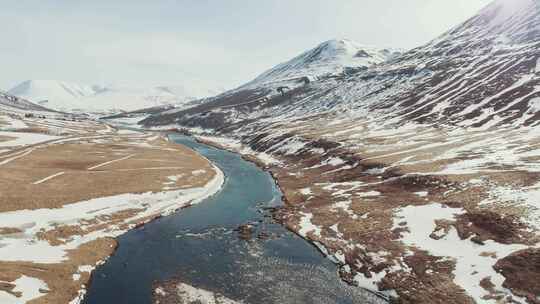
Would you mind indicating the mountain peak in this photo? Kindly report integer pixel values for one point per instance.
(503, 10)
(329, 57)
(517, 21)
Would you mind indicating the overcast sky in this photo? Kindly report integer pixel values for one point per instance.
(229, 42)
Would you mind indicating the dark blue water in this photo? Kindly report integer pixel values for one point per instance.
(199, 246)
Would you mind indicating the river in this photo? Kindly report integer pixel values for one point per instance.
(200, 246)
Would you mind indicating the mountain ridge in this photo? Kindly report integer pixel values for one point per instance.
(329, 57)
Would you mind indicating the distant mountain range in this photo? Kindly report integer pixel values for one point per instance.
(66, 96)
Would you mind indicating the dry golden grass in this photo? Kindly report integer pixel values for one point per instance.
(145, 170)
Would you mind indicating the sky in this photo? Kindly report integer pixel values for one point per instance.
(221, 43)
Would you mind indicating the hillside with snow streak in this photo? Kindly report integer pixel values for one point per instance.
(419, 175)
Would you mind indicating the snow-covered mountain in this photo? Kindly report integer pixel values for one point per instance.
(330, 57)
(52, 93)
(10, 103)
(66, 96)
(483, 72)
(330, 60)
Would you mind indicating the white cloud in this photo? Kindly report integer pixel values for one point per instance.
(230, 42)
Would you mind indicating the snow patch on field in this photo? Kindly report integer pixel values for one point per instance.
(198, 172)
(528, 197)
(422, 193)
(534, 105)
(334, 161)
(11, 123)
(346, 207)
(30, 222)
(24, 139)
(306, 191)
(29, 288)
(369, 194)
(471, 266)
(306, 226)
(41, 181)
(128, 132)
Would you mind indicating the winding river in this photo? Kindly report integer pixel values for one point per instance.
(200, 246)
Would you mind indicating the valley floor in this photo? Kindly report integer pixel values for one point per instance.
(69, 187)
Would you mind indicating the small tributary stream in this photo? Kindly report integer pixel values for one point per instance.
(200, 246)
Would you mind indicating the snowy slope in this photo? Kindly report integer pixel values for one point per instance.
(484, 72)
(10, 103)
(328, 61)
(67, 96)
(55, 94)
(391, 168)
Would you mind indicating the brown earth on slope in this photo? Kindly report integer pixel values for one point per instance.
(522, 273)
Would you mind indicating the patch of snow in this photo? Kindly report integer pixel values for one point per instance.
(422, 193)
(198, 172)
(306, 226)
(41, 181)
(376, 171)
(30, 288)
(159, 291)
(471, 266)
(306, 191)
(110, 162)
(534, 105)
(527, 197)
(368, 194)
(12, 123)
(345, 206)
(24, 139)
(128, 132)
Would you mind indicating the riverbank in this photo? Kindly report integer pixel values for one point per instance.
(281, 214)
(205, 248)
